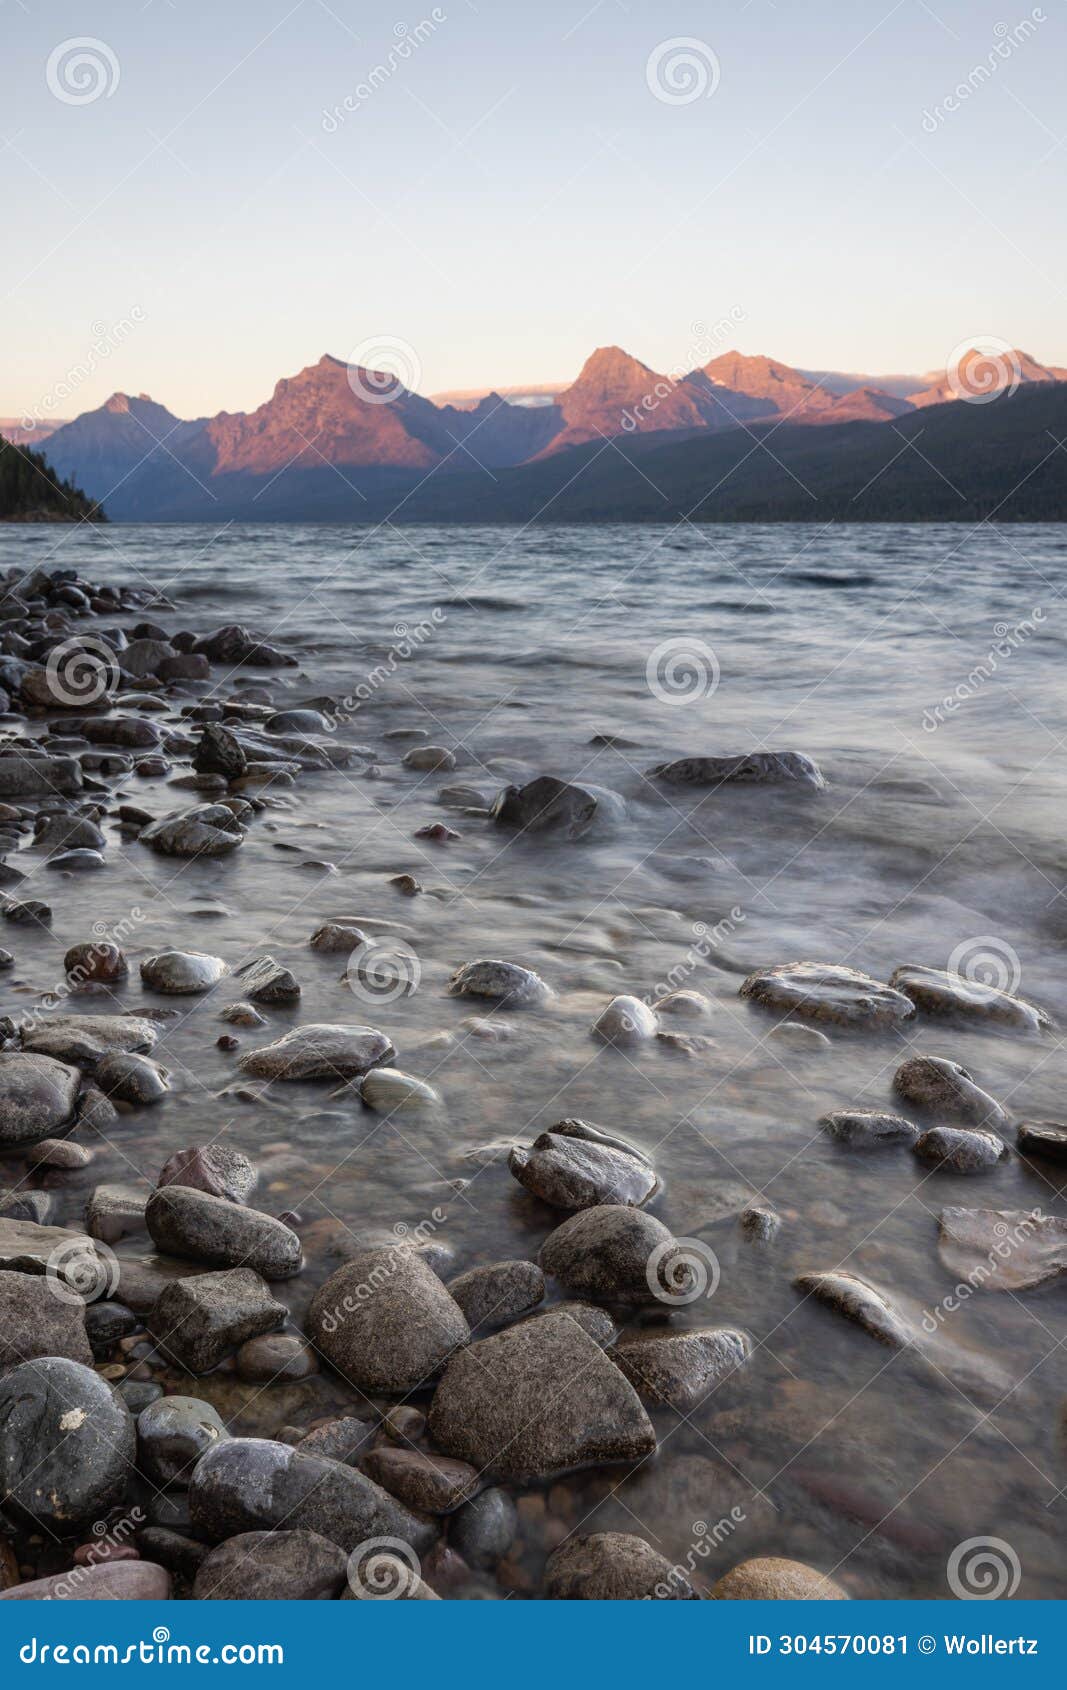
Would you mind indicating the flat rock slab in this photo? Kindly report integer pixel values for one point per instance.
(385, 1321)
(202, 1318)
(1047, 1139)
(613, 1567)
(319, 1051)
(758, 768)
(828, 992)
(538, 1399)
(252, 1484)
(39, 777)
(1002, 1249)
(869, 1129)
(35, 1321)
(84, 1039)
(937, 992)
(26, 1247)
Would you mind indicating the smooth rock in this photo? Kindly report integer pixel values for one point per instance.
(320, 1051)
(276, 1355)
(111, 1581)
(96, 963)
(433, 1484)
(498, 1293)
(84, 1039)
(385, 1321)
(131, 1078)
(208, 830)
(685, 1006)
(859, 1302)
(680, 1369)
(1002, 1249)
(758, 768)
(345, 1439)
(943, 1087)
(484, 1529)
(429, 757)
(37, 1096)
(828, 992)
(1046, 1139)
(66, 1444)
(939, 993)
(182, 972)
(115, 1209)
(772, 1579)
(337, 938)
(613, 1567)
(625, 1022)
(272, 1566)
(545, 803)
(208, 1229)
(960, 1150)
(172, 1435)
(571, 1166)
(869, 1129)
(390, 1092)
(615, 1254)
(553, 1401)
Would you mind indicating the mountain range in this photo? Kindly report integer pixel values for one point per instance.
(339, 442)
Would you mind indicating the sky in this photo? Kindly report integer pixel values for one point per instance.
(856, 186)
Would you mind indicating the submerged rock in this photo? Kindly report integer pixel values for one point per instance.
(214, 1168)
(758, 768)
(942, 1087)
(208, 830)
(1047, 1139)
(679, 1369)
(84, 1039)
(574, 1166)
(1002, 1249)
(538, 1399)
(390, 1092)
(507, 984)
(543, 804)
(829, 992)
(625, 1021)
(937, 992)
(613, 1567)
(319, 1051)
(869, 1129)
(961, 1150)
(859, 1302)
(131, 1078)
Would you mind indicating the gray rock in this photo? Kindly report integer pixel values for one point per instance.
(769, 1578)
(251, 1484)
(429, 757)
(202, 1318)
(143, 657)
(266, 981)
(337, 938)
(28, 1247)
(172, 1435)
(37, 1096)
(345, 1439)
(116, 1581)
(58, 1153)
(66, 1444)
(538, 1399)
(184, 1222)
(859, 1302)
(131, 1078)
(34, 1321)
(385, 1321)
(543, 804)
(829, 992)
(219, 752)
(39, 777)
(506, 984)
(433, 1484)
(270, 1566)
(208, 830)
(961, 1150)
(276, 1355)
(613, 1567)
(390, 1092)
(611, 1254)
(84, 1039)
(1047, 1139)
(760, 1223)
(685, 1006)
(758, 768)
(75, 862)
(942, 1087)
(939, 993)
(572, 1166)
(498, 1293)
(869, 1129)
(66, 831)
(214, 1168)
(114, 1210)
(680, 1369)
(182, 972)
(297, 722)
(319, 1051)
(484, 1529)
(1002, 1249)
(625, 1022)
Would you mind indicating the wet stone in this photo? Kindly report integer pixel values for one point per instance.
(936, 992)
(212, 1230)
(172, 1435)
(574, 1166)
(34, 1321)
(942, 1087)
(680, 1369)
(960, 1150)
(200, 1319)
(829, 992)
(66, 1444)
(498, 1293)
(507, 984)
(433, 1484)
(298, 1566)
(214, 1168)
(869, 1129)
(385, 1322)
(613, 1567)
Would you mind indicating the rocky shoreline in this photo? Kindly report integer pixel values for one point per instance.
(453, 1402)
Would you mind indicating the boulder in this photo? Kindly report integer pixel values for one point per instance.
(110, 1581)
(214, 1168)
(37, 1097)
(252, 1484)
(205, 1316)
(131, 1078)
(184, 1222)
(84, 1039)
(272, 1566)
(219, 752)
(319, 1051)
(433, 1484)
(537, 1399)
(385, 1321)
(66, 1444)
(613, 1567)
(830, 992)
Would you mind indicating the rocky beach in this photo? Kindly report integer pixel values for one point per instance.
(531, 1066)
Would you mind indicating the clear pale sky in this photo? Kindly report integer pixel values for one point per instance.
(513, 193)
